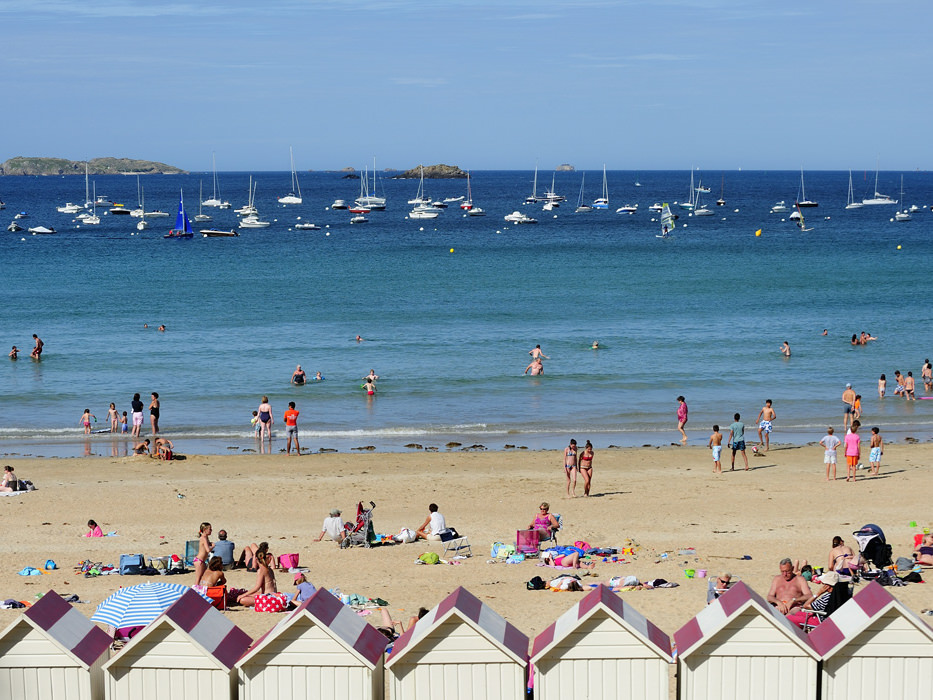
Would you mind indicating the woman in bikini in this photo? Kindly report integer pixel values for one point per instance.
(265, 578)
(204, 551)
(586, 467)
(265, 419)
(842, 558)
(571, 464)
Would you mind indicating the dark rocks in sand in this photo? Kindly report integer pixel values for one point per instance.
(453, 444)
(233, 447)
(368, 448)
(248, 449)
(322, 450)
(430, 449)
(911, 440)
(473, 447)
(522, 447)
(646, 445)
(509, 447)
(414, 446)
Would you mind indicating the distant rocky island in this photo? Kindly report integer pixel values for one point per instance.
(565, 166)
(433, 172)
(22, 165)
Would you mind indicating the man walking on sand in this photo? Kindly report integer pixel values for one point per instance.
(737, 440)
(765, 416)
(848, 407)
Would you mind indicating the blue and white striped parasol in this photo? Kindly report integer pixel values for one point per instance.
(140, 604)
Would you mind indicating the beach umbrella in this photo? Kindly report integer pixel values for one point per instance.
(139, 605)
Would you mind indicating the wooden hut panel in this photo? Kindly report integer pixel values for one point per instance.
(34, 681)
(601, 637)
(278, 681)
(602, 678)
(450, 641)
(166, 646)
(890, 635)
(143, 683)
(26, 642)
(743, 677)
(460, 681)
(754, 634)
(880, 677)
(304, 639)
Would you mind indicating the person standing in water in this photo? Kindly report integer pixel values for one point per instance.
(154, 413)
(537, 354)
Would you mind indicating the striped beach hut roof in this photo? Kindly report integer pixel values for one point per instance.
(601, 598)
(855, 615)
(717, 614)
(341, 621)
(210, 631)
(68, 628)
(466, 606)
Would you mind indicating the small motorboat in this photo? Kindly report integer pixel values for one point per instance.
(70, 208)
(357, 209)
(21, 215)
(157, 214)
(253, 222)
(120, 210)
(476, 211)
(307, 227)
(779, 208)
(40, 231)
(359, 219)
(214, 233)
(14, 227)
(627, 209)
(517, 217)
(655, 207)
(339, 204)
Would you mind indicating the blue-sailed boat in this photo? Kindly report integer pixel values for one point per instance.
(182, 228)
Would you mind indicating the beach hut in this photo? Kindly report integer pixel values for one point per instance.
(187, 653)
(321, 650)
(741, 647)
(52, 651)
(874, 647)
(601, 648)
(460, 650)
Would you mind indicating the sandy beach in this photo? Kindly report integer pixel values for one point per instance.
(663, 499)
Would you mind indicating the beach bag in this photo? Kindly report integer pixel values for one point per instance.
(429, 558)
(288, 561)
(406, 536)
(536, 584)
(502, 551)
(131, 564)
(50, 565)
(25, 485)
(270, 602)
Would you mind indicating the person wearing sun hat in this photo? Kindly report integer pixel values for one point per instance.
(333, 527)
(305, 588)
(818, 603)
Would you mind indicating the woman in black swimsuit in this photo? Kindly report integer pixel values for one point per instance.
(154, 413)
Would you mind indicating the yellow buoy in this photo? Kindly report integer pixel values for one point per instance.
(452, 250)
(898, 247)
(758, 232)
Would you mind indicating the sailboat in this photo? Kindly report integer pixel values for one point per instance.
(667, 222)
(722, 189)
(423, 208)
(252, 219)
(182, 228)
(467, 204)
(420, 197)
(801, 222)
(292, 197)
(215, 200)
(850, 200)
(581, 207)
(878, 198)
(248, 209)
(902, 215)
(371, 200)
(93, 218)
(551, 195)
(603, 202)
(691, 196)
(802, 201)
(533, 197)
(138, 212)
(142, 224)
(201, 215)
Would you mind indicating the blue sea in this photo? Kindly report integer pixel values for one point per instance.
(448, 310)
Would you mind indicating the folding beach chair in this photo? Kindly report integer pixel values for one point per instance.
(458, 546)
(191, 551)
(361, 532)
(218, 596)
(528, 542)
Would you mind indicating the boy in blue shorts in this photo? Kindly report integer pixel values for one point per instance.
(737, 440)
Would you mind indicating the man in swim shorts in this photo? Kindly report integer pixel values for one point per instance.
(765, 416)
(829, 443)
(877, 449)
(737, 440)
(37, 351)
(291, 429)
(536, 367)
(848, 406)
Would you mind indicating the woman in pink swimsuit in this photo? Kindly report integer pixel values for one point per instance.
(545, 522)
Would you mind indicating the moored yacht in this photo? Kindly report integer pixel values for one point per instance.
(517, 217)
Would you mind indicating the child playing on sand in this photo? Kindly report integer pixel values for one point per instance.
(829, 444)
(853, 450)
(877, 449)
(141, 448)
(86, 420)
(94, 529)
(715, 444)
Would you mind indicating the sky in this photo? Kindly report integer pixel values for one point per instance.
(637, 85)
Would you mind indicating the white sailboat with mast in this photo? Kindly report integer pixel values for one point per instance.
(215, 200)
(902, 215)
(802, 200)
(142, 224)
(691, 196)
(201, 215)
(371, 200)
(581, 207)
(92, 219)
(878, 198)
(603, 202)
(850, 199)
(294, 195)
(533, 197)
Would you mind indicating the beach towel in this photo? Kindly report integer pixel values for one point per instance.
(29, 571)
